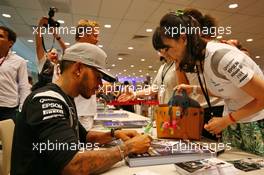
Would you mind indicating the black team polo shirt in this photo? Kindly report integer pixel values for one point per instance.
(47, 133)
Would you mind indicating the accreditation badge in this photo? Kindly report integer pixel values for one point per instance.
(161, 94)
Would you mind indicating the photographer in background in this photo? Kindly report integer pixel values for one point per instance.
(127, 89)
(47, 62)
(14, 86)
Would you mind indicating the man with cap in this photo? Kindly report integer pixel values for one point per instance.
(48, 138)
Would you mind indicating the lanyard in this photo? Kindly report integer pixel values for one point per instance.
(164, 71)
(204, 88)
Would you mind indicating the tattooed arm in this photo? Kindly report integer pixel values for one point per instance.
(99, 137)
(94, 162)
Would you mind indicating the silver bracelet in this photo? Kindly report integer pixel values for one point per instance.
(122, 154)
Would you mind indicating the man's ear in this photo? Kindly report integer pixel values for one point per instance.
(11, 43)
(77, 69)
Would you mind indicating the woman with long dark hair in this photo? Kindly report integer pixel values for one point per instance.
(225, 72)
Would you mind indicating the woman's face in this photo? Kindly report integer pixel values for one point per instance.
(175, 49)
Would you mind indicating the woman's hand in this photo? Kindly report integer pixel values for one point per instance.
(126, 97)
(186, 87)
(217, 124)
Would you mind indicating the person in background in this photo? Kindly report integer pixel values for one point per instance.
(227, 73)
(126, 89)
(47, 63)
(88, 32)
(49, 140)
(144, 108)
(162, 85)
(14, 86)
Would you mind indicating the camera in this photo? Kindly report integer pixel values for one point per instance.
(51, 21)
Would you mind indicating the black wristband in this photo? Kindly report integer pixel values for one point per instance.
(58, 38)
(112, 132)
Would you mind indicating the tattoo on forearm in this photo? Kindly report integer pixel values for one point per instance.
(92, 162)
(99, 137)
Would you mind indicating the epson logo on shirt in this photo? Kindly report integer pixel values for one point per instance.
(52, 109)
(51, 105)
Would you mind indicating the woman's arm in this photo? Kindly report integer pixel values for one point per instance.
(146, 92)
(254, 88)
(141, 93)
(192, 89)
(185, 83)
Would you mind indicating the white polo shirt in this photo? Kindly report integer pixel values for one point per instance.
(226, 70)
(169, 82)
(86, 107)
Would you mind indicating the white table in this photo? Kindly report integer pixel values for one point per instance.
(122, 169)
(131, 116)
